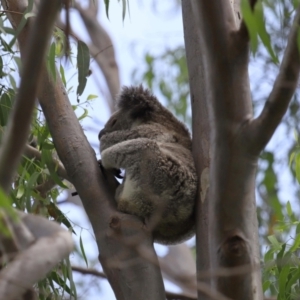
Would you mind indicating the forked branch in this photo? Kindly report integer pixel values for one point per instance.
(263, 127)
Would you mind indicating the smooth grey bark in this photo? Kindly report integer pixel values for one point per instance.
(201, 136)
(42, 244)
(232, 212)
(125, 245)
(225, 85)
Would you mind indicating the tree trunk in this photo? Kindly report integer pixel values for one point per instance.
(221, 100)
(201, 136)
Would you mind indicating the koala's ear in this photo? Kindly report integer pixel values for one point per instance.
(138, 101)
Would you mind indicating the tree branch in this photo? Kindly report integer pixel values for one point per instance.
(16, 134)
(201, 133)
(86, 271)
(262, 128)
(52, 243)
(44, 187)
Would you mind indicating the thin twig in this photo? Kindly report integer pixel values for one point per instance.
(88, 271)
(11, 12)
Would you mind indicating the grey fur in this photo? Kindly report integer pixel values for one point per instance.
(154, 148)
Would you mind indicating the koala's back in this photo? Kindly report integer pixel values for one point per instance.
(165, 183)
(178, 221)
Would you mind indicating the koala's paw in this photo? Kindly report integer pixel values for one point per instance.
(109, 176)
(115, 172)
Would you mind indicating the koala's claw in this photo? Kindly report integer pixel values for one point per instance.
(116, 172)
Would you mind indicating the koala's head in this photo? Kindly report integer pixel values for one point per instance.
(135, 105)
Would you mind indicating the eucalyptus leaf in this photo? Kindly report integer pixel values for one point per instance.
(83, 64)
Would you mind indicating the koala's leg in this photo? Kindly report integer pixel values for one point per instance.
(135, 156)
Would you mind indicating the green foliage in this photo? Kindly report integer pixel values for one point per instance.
(58, 283)
(295, 157)
(167, 73)
(83, 64)
(60, 42)
(37, 185)
(255, 22)
(51, 61)
(281, 270)
(6, 105)
(267, 187)
(27, 14)
(125, 6)
(82, 251)
(106, 2)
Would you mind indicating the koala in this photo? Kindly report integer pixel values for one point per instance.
(154, 148)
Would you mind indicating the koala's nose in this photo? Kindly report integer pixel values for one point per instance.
(100, 134)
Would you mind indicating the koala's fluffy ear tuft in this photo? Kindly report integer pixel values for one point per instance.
(140, 102)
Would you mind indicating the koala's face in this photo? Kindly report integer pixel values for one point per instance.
(120, 120)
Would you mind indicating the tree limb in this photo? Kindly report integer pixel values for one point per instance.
(19, 237)
(262, 128)
(16, 134)
(201, 133)
(52, 244)
(89, 271)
